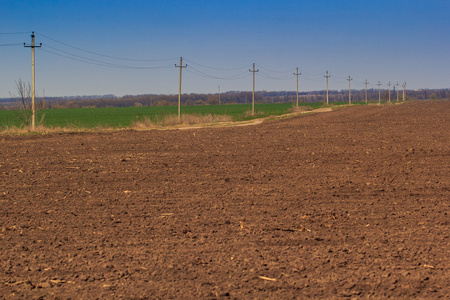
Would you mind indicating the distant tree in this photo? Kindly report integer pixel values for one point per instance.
(162, 103)
(433, 96)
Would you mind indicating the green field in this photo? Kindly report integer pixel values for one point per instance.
(118, 117)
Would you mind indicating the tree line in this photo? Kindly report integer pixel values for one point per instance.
(231, 97)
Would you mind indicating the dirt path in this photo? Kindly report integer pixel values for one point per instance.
(351, 203)
(246, 123)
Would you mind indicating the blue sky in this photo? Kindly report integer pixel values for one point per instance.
(396, 41)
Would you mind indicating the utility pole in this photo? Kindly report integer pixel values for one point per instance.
(349, 91)
(389, 85)
(379, 93)
(253, 94)
(366, 89)
(297, 73)
(404, 86)
(219, 94)
(397, 91)
(327, 84)
(33, 110)
(179, 88)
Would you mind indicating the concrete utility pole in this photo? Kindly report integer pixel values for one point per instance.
(349, 91)
(297, 73)
(179, 88)
(327, 84)
(219, 94)
(253, 94)
(404, 86)
(366, 89)
(379, 93)
(389, 85)
(33, 110)
(397, 91)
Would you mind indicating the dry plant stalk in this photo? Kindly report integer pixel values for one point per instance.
(249, 113)
(295, 109)
(45, 130)
(186, 119)
(267, 278)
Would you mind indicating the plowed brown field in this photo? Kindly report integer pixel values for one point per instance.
(349, 203)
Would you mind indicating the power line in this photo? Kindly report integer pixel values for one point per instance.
(21, 32)
(98, 62)
(104, 55)
(105, 64)
(215, 68)
(203, 74)
(13, 44)
(281, 72)
(311, 79)
(275, 78)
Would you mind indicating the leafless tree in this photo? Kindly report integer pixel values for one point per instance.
(23, 102)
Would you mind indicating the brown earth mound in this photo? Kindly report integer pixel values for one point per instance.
(349, 203)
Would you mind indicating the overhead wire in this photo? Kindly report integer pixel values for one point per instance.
(272, 71)
(21, 32)
(104, 55)
(215, 68)
(310, 79)
(264, 72)
(275, 78)
(13, 44)
(100, 63)
(206, 75)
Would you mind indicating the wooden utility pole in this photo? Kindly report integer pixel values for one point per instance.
(327, 84)
(219, 94)
(366, 89)
(179, 88)
(404, 86)
(379, 93)
(297, 73)
(397, 91)
(389, 85)
(349, 91)
(253, 94)
(33, 108)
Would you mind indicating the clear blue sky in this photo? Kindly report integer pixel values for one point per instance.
(397, 40)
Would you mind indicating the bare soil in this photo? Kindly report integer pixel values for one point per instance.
(348, 203)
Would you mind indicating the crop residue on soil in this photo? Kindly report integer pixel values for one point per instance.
(351, 203)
